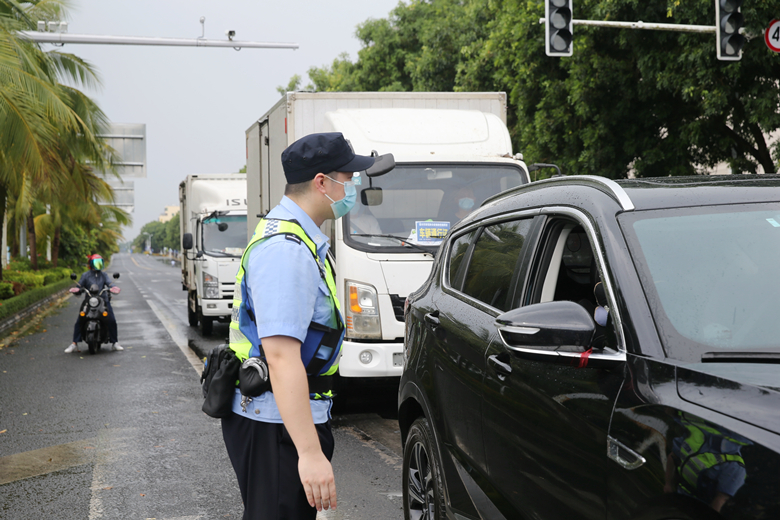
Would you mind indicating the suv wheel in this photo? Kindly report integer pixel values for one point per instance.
(423, 486)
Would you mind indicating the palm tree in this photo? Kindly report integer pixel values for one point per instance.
(84, 202)
(72, 180)
(45, 126)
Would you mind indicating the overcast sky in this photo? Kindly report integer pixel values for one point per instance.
(198, 102)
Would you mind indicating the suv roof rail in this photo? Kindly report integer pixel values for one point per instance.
(604, 184)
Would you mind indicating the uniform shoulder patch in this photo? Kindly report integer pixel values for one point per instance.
(294, 238)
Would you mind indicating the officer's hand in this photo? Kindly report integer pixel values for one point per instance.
(318, 482)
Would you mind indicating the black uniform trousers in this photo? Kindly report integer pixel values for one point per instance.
(266, 464)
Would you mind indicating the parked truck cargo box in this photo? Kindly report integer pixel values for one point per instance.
(213, 236)
(452, 151)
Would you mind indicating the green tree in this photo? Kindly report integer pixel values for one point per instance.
(154, 228)
(293, 85)
(46, 127)
(648, 102)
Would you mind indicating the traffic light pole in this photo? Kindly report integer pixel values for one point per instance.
(647, 26)
(728, 28)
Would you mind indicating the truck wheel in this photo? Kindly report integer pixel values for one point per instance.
(206, 325)
(192, 316)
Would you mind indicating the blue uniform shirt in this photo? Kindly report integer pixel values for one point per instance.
(288, 295)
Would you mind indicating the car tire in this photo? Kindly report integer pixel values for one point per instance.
(423, 486)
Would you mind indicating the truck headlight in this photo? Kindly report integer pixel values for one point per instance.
(362, 313)
(210, 286)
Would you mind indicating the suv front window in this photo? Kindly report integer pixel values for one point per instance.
(710, 276)
(435, 195)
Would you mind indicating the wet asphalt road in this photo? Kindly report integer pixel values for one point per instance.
(120, 434)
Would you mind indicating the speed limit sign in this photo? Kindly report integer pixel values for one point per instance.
(772, 36)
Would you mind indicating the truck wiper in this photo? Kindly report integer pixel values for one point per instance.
(741, 357)
(216, 253)
(403, 241)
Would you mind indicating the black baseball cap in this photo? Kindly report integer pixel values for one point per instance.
(321, 153)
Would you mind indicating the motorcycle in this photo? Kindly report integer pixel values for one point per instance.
(94, 326)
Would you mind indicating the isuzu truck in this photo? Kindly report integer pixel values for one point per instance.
(213, 236)
(452, 151)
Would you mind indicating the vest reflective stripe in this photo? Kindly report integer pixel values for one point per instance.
(268, 228)
(696, 463)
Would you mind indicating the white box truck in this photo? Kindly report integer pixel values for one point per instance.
(452, 151)
(213, 237)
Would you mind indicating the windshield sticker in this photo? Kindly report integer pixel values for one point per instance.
(357, 179)
(430, 232)
(773, 222)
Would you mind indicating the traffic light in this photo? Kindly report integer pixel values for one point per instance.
(558, 28)
(729, 21)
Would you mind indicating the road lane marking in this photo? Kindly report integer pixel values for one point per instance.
(140, 266)
(177, 338)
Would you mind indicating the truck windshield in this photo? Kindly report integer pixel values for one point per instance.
(224, 235)
(420, 203)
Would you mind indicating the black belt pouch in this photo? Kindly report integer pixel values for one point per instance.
(222, 387)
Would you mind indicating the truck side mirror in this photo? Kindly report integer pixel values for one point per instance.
(73, 276)
(222, 226)
(382, 165)
(186, 241)
(116, 276)
(371, 197)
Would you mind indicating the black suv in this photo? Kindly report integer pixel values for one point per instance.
(597, 349)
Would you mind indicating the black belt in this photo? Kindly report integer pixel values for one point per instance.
(320, 384)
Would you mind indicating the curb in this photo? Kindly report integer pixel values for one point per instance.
(12, 321)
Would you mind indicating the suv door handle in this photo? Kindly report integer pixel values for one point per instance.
(503, 369)
(432, 319)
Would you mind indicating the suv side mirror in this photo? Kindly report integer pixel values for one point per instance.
(186, 241)
(555, 332)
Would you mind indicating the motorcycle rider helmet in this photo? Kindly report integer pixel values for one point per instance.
(96, 262)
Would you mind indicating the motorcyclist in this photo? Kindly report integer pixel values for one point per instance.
(95, 277)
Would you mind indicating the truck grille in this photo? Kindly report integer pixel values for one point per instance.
(398, 306)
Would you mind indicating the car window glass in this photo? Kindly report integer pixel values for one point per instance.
(710, 276)
(493, 262)
(458, 252)
(569, 272)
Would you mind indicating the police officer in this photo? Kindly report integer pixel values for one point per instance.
(286, 312)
